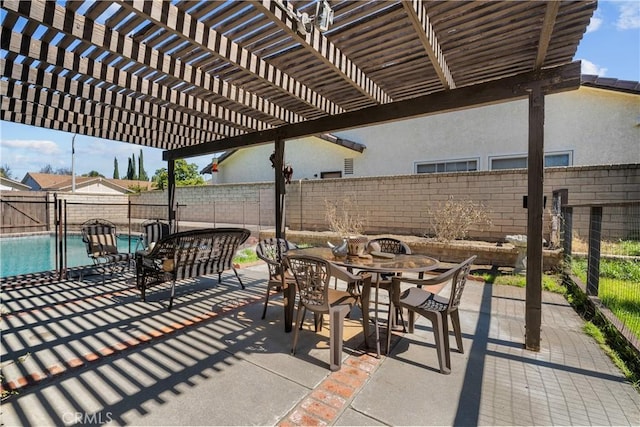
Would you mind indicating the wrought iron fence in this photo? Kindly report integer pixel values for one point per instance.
(602, 245)
(46, 213)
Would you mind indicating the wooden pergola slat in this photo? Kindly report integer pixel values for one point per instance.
(165, 15)
(324, 51)
(420, 21)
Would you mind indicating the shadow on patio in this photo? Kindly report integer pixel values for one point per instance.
(94, 353)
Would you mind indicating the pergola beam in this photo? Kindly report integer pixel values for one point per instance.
(557, 79)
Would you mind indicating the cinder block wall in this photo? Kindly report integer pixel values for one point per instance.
(400, 204)
(82, 207)
(224, 203)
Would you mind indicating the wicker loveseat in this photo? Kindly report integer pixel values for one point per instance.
(189, 254)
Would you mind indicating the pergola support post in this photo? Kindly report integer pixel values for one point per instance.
(171, 190)
(535, 207)
(278, 163)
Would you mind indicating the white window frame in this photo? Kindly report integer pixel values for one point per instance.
(568, 153)
(416, 165)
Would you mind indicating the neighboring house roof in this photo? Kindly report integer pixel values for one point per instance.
(53, 182)
(82, 182)
(13, 184)
(352, 145)
(628, 86)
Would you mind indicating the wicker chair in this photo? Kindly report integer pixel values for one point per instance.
(153, 230)
(100, 239)
(391, 246)
(272, 251)
(435, 307)
(313, 276)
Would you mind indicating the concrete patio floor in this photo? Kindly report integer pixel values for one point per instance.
(77, 353)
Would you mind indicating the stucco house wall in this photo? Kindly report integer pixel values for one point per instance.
(309, 157)
(594, 126)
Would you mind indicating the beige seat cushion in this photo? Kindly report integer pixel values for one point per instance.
(102, 244)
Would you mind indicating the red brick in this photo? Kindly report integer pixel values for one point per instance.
(90, 357)
(176, 325)
(167, 329)
(354, 381)
(369, 359)
(301, 418)
(55, 370)
(120, 346)
(144, 337)
(337, 388)
(156, 334)
(359, 363)
(20, 382)
(328, 398)
(74, 363)
(107, 351)
(132, 342)
(34, 377)
(319, 409)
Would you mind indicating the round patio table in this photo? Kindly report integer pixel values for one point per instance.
(386, 263)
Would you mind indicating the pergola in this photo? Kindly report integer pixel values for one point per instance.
(198, 77)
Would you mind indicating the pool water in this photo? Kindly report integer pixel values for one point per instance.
(34, 254)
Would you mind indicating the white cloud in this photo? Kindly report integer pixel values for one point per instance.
(595, 23)
(40, 146)
(629, 17)
(588, 67)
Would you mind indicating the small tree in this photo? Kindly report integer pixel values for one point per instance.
(5, 171)
(453, 219)
(185, 174)
(142, 174)
(116, 172)
(130, 171)
(60, 171)
(94, 174)
(134, 175)
(47, 169)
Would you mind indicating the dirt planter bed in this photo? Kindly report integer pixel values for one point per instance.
(496, 254)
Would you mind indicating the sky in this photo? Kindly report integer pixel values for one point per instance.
(609, 48)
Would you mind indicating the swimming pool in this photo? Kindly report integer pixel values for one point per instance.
(34, 254)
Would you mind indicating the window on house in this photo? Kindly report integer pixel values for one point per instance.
(520, 162)
(334, 174)
(450, 166)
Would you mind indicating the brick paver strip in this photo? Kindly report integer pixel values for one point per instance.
(324, 404)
